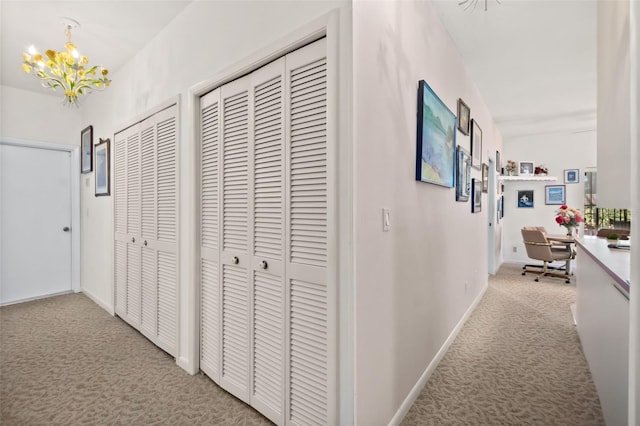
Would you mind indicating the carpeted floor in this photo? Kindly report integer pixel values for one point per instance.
(517, 361)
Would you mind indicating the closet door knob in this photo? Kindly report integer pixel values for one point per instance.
(133, 239)
(264, 264)
(235, 260)
(145, 243)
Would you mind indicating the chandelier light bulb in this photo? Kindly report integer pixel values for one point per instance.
(67, 70)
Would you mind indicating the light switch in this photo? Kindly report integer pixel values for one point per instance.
(386, 221)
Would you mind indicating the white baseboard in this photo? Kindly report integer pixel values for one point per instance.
(97, 301)
(417, 388)
(29, 299)
(186, 365)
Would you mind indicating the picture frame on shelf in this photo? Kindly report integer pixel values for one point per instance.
(464, 115)
(525, 168)
(525, 199)
(102, 168)
(554, 194)
(463, 175)
(572, 176)
(436, 139)
(476, 145)
(86, 150)
(485, 177)
(476, 195)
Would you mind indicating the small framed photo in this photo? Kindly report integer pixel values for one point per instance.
(464, 114)
(525, 168)
(501, 207)
(476, 195)
(102, 168)
(572, 176)
(86, 150)
(498, 163)
(463, 175)
(554, 194)
(485, 177)
(525, 199)
(476, 145)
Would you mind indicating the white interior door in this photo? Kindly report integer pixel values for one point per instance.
(35, 210)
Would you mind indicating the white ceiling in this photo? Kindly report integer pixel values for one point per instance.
(110, 33)
(534, 62)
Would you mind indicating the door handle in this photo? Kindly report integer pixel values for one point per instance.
(145, 243)
(235, 260)
(66, 229)
(264, 264)
(133, 239)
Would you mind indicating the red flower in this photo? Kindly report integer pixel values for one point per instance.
(563, 207)
(559, 220)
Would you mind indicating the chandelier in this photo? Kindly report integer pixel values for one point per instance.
(67, 69)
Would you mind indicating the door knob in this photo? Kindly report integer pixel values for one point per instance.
(145, 243)
(235, 260)
(264, 264)
(66, 229)
(133, 239)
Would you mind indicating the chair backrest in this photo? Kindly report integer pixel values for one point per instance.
(605, 232)
(537, 245)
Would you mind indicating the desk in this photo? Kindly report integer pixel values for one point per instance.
(568, 241)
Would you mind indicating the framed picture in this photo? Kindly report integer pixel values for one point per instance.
(525, 168)
(463, 175)
(554, 194)
(102, 168)
(572, 176)
(498, 163)
(86, 150)
(501, 207)
(485, 177)
(436, 145)
(476, 145)
(464, 113)
(525, 198)
(476, 195)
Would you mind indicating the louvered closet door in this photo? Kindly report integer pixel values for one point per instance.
(165, 243)
(311, 386)
(267, 266)
(120, 218)
(133, 253)
(210, 235)
(236, 227)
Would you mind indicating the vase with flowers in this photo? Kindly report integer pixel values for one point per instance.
(568, 217)
(541, 170)
(511, 167)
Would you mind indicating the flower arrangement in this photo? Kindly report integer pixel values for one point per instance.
(568, 217)
(541, 170)
(511, 166)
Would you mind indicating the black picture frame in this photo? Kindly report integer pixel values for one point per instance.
(498, 163)
(525, 199)
(86, 150)
(464, 116)
(463, 175)
(476, 145)
(485, 177)
(102, 181)
(476, 195)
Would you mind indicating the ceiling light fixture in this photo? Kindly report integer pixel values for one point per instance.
(65, 69)
(466, 4)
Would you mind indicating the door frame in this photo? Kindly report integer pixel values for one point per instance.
(74, 151)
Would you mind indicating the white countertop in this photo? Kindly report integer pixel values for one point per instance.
(616, 262)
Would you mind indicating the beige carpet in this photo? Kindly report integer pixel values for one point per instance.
(517, 361)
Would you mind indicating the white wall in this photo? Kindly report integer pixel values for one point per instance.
(558, 151)
(414, 283)
(34, 116)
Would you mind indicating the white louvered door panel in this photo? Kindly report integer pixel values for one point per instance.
(209, 235)
(134, 290)
(267, 271)
(235, 259)
(311, 360)
(166, 231)
(120, 219)
(149, 295)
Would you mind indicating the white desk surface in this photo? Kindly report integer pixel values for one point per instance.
(616, 262)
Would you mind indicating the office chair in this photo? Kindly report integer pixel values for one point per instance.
(539, 248)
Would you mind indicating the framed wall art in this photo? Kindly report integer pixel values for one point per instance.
(554, 194)
(436, 139)
(525, 168)
(498, 163)
(525, 198)
(572, 176)
(476, 195)
(102, 168)
(485, 177)
(86, 150)
(464, 114)
(463, 175)
(476, 145)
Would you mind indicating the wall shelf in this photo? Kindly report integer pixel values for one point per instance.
(527, 178)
